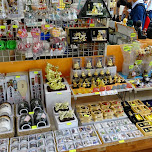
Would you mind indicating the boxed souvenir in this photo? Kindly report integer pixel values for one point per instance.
(39, 142)
(6, 109)
(7, 128)
(99, 62)
(76, 138)
(89, 63)
(2, 88)
(99, 34)
(77, 63)
(17, 87)
(36, 84)
(33, 122)
(65, 120)
(110, 61)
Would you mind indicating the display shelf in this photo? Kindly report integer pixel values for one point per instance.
(104, 120)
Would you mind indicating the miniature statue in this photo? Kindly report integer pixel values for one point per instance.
(75, 77)
(94, 10)
(108, 73)
(75, 85)
(105, 81)
(110, 63)
(54, 78)
(66, 115)
(130, 75)
(84, 85)
(95, 75)
(102, 84)
(76, 66)
(88, 85)
(93, 84)
(101, 75)
(89, 65)
(79, 84)
(89, 75)
(138, 28)
(99, 36)
(98, 81)
(123, 80)
(99, 65)
(110, 80)
(119, 80)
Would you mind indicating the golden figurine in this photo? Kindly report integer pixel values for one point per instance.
(110, 80)
(93, 84)
(101, 74)
(74, 85)
(110, 63)
(119, 80)
(89, 73)
(98, 81)
(123, 80)
(106, 82)
(92, 79)
(115, 76)
(102, 84)
(75, 75)
(54, 77)
(115, 80)
(88, 84)
(94, 10)
(83, 74)
(79, 84)
(99, 36)
(89, 65)
(99, 65)
(84, 85)
(108, 73)
(76, 66)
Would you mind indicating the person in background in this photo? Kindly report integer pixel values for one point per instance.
(149, 9)
(138, 11)
(146, 3)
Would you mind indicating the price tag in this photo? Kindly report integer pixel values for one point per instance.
(73, 150)
(132, 81)
(133, 35)
(2, 27)
(150, 64)
(146, 75)
(92, 25)
(127, 48)
(97, 92)
(47, 25)
(17, 76)
(133, 104)
(86, 115)
(112, 92)
(131, 67)
(15, 26)
(55, 1)
(34, 127)
(37, 34)
(121, 141)
(69, 123)
(35, 72)
(31, 113)
(138, 62)
(59, 93)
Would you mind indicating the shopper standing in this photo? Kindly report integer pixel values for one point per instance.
(149, 9)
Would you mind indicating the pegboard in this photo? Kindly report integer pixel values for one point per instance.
(39, 15)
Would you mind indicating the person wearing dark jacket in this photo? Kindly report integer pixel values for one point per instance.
(138, 11)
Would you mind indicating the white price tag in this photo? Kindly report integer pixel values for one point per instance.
(111, 92)
(55, 1)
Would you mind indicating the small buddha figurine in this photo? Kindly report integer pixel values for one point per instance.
(95, 75)
(108, 73)
(101, 75)
(88, 85)
(75, 85)
(110, 80)
(75, 77)
(76, 66)
(94, 10)
(115, 76)
(83, 76)
(110, 63)
(84, 85)
(79, 84)
(102, 84)
(89, 76)
(89, 65)
(98, 81)
(99, 36)
(119, 80)
(99, 65)
(115, 80)
(123, 80)
(106, 82)
(93, 84)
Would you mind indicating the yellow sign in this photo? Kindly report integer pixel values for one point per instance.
(47, 25)
(133, 35)
(97, 92)
(73, 150)
(86, 115)
(150, 64)
(2, 27)
(69, 123)
(127, 48)
(31, 113)
(121, 141)
(34, 127)
(15, 26)
(35, 72)
(138, 62)
(59, 93)
(17, 76)
(131, 66)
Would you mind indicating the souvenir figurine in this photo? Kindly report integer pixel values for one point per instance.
(83, 76)
(75, 86)
(75, 77)
(110, 63)
(119, 80)
(130, 75)
(98, 64)
(79, 84)
(102, 84)
(123, 80)
(101, 75)
(84, 85)
(88, 85)
(110, 80)
(95, 75)
(98, 81)
(93, 84)
(89, 65)
(99, 36)
(106, 82)
(108, 73)
(89, 76)
(76, 66)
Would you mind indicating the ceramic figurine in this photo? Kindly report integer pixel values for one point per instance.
(110, 80)
(99, 65)
(110, 63)
(101, 75)
(89, 76)
(75, 85)
(93, 84)
(95, 75)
